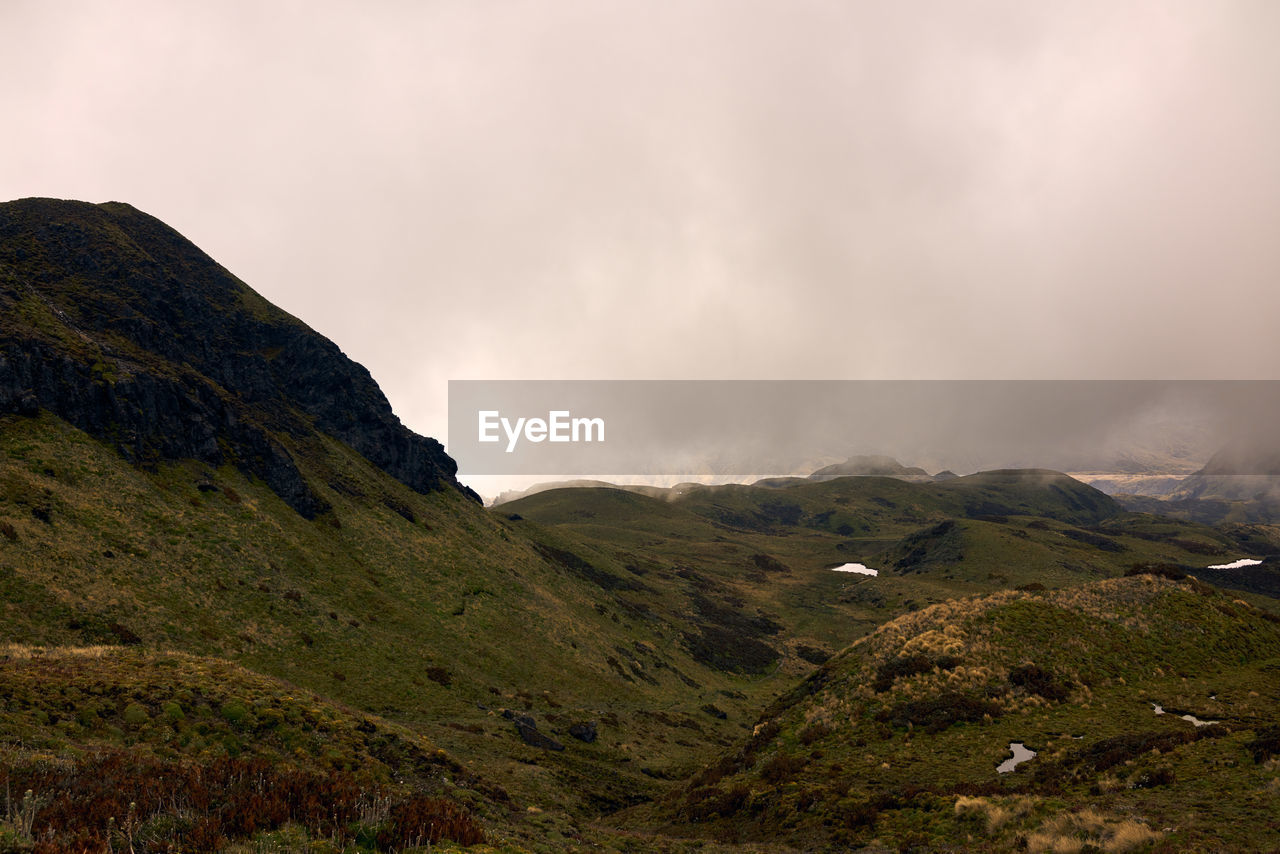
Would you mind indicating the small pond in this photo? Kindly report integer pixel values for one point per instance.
(1191, 719)
(1021, 753)
(855, 567)
(1236, 564)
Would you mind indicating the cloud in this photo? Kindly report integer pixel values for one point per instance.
(712, 189)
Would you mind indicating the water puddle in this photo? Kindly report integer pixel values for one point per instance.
(1237, 564)
(855, 567)
(1191, 719)
(1021, 753)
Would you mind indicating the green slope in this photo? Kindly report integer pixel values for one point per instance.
(282, 574)
(144, 750)
(898, 738)
(423, 609)
(770, 549)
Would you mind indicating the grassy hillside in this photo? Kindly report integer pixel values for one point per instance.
(242, 607)
(664, 625)
(422, 609)
(143, 750)
(898, 739)
(770, 549)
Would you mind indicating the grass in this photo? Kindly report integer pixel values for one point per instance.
(599, 605)
(912, 762)
(124, 745)
(431, 617)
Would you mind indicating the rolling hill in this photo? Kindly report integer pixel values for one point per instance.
(1149, 705)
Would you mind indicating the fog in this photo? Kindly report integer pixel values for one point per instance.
(719, 189)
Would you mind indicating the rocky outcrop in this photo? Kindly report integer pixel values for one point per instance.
(121, 326)
(149, 417)
(527, 727)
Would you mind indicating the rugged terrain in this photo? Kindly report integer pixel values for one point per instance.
(230, 576)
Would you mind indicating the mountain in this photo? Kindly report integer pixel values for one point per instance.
(1242, 471)
(189, 471)
(243, 608)
(1239, 484)
(122, 327)
(880, 466)
(641, 489)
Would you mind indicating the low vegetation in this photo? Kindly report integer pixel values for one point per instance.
(243, 609)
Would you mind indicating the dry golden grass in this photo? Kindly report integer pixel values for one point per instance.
(1071, 832)
(996, 813)
(27, 651)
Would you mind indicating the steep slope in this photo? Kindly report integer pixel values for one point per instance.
(899, 737)
(121, 326)
(1239, 484)
(185, 468)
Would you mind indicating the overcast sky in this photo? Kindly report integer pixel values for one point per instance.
(606, 189)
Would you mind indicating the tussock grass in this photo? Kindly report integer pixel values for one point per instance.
(994, 813)
(1073, 832)
(17, 650)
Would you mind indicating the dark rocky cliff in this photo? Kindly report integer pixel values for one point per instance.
(118, 324)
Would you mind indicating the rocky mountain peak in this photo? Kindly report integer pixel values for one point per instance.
(118, 324)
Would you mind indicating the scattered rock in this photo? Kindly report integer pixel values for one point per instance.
(584, 731)
(529, 732)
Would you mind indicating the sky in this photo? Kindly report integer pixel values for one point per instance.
(709, 189)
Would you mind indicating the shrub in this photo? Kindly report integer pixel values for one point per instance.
(200, 807)
(1162, 776)
(427, 820)
(939, 712)
(815, 732)
(1160, 570)
(909, 665)
(1266, 745)
(1037, 680)
(782, 768)
(233, 711)
(135, 715)
(705, 802)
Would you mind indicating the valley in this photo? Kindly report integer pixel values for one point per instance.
(224, 562)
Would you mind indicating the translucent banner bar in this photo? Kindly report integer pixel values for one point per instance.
(714, 427)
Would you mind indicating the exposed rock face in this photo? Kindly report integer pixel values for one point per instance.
(118, 324)
(529, 732)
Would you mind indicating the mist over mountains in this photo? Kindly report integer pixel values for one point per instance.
(245, 607)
